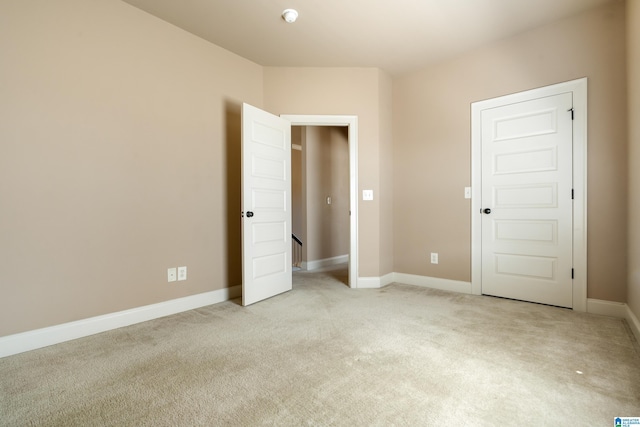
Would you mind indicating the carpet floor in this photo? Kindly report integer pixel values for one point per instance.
(327, 355)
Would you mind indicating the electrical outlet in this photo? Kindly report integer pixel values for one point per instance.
(182, 273)
(434, 258)
(171, 274)
(367, 194)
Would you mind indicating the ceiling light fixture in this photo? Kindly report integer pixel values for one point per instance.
(290, 15)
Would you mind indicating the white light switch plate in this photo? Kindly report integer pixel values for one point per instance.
(467, 192)
(171, 274)
(367, 194)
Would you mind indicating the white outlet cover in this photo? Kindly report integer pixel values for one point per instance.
(171, 274)
(182, 273)
(367, 194)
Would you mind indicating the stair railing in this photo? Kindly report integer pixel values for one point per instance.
(296, 251)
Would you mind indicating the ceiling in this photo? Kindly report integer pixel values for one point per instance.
(397, 36)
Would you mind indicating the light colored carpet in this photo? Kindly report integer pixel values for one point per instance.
(324, 354)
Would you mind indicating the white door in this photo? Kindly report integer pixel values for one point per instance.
(527, 207)
(266, 205)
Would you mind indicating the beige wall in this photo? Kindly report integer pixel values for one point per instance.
(633, 70)
(386, 173)
(346, 91)
(326, 155)
(118, 159)
(432, 142)
(120, 153)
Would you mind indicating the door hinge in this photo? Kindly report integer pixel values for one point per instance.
(572, 194)
(572, 115)
(572, 273)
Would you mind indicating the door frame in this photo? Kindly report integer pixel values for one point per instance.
(352, 123)
(579, 90)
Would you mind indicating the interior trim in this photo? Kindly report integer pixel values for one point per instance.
(369, 283)
(434, 283)
(376, 282)
(325, 262)
(633, 322)
(615, 309)
(352, 123)
(606, 308)
(39, 338)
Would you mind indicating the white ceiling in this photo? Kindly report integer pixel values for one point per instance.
(396, 35)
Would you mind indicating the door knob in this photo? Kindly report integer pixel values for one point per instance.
(486, 210)
(249, 214)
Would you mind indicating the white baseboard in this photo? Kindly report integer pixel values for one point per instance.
(434, 283)
(326, 262)
(387, 279)
(607, 308)
(375, 282)
(633, 322)
(615, 309)
(411, 279)
(368, 282)
(31, 340)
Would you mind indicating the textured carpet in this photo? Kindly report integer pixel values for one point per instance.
(324, 354)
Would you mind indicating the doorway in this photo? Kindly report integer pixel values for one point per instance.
(529, 195)
(350, 123)
(266, 200)
(320, 197)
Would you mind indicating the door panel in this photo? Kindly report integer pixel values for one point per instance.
(525, 266)
(526, 196)
(527, 124)
(527, 161)
(526, 184)
(526, 231)
(266, 205)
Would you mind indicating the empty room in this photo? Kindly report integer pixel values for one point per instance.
(177, 248)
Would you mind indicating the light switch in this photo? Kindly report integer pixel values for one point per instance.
(328, 200)
(171, 274)
(367, 194)
(467, 192)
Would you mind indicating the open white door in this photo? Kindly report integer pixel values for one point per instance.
(266, 205)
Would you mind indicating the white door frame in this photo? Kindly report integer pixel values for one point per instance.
(579, 90)
(352, 123)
